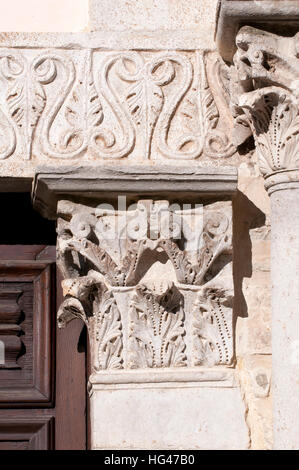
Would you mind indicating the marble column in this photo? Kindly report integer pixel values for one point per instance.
(283, 188)
(265, 103)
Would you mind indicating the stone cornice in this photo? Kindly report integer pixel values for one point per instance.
(50, 185)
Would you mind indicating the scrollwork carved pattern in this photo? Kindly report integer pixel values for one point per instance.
(108, 105)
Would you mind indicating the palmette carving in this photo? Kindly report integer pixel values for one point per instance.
(84, 112)
(156, 328)
(25, 99)
(138, 318)
(200, 107)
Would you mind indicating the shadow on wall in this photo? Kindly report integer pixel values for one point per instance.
(21, 224)
(246, 216)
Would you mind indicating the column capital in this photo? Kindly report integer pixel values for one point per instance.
(265, 96)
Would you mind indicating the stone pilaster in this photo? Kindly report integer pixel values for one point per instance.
(153, 282)
(265, 103)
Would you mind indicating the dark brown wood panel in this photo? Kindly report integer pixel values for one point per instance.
(26, 288)
(28, 273)
(72, 383)
(36, 433)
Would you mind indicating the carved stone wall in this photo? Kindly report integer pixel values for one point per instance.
(91, 106)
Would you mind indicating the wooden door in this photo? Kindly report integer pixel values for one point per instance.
(42, 369)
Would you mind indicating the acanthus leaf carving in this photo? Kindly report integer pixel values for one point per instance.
(89, 299)
(274, 117)
(212, 327)
(108, 333)
(156, 328)
(136, 318)
(145, 100)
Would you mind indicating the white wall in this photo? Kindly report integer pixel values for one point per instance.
(43, 15)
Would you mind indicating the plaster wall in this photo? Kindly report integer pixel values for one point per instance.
(44, 16)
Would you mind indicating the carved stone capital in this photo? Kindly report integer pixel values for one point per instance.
(153, 283)
(265, 97)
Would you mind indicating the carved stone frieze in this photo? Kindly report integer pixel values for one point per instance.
(265, 97)
(152, 282)
(98, 105)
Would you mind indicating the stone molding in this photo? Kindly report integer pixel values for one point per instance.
(282, 180)
(189, 377)
(108, 182)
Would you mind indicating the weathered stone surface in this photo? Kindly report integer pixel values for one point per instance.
(285, 314)
(154, 285)
(49, 15)
(100, 182)
(254, 372)
(266, 101)
(265, 96)
(154, 417)
(154, 15)
(144, 34)
(136, 317)
(90, 105)
(281, 16)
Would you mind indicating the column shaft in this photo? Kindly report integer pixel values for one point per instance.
(285, 317)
